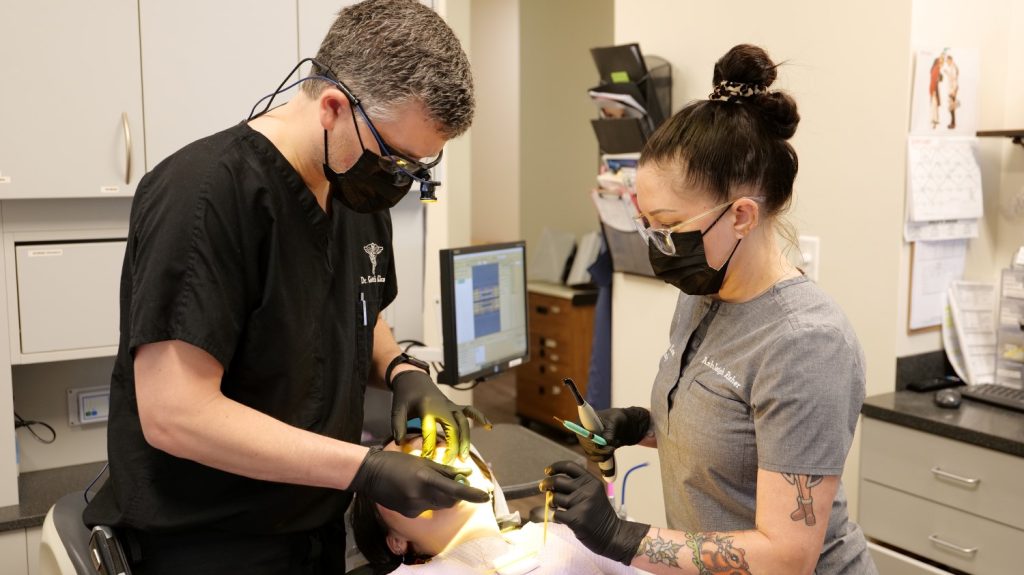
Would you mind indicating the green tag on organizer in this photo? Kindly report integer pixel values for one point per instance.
(620, 77)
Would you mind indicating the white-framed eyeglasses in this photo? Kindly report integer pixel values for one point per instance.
(661, 238)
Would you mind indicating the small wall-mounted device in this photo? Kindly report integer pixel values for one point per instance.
(88, 405)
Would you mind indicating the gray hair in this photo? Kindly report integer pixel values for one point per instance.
(391, 52)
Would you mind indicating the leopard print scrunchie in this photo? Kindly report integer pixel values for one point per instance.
(733, 91)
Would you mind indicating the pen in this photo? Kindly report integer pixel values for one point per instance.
(582, 432)
(362, 298)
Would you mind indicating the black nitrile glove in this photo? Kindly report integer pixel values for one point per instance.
(416, 395)
(622, 426)
(411, 485)
(582, 505)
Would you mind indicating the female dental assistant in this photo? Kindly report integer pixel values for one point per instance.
(756, 399)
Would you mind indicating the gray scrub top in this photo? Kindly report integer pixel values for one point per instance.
(775, 383)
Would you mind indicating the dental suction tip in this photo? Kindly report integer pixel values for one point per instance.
(575, 392)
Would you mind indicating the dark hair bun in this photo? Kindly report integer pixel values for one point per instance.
(750, 64)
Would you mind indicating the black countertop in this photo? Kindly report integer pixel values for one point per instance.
(39, 490)
(973, 422)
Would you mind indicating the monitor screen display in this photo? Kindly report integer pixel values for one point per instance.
(483, 310)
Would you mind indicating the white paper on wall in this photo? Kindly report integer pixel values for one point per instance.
(936, 265)
(944, 179)
(945, 94)
(940, 230)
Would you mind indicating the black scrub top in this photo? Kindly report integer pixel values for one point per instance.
(229, 251)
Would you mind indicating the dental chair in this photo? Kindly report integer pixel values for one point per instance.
(64, 545)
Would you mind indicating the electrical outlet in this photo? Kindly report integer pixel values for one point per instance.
(810, 253)
(88, 405)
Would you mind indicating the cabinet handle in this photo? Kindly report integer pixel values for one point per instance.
(554, 357)
(942, 543)
(968, 481)
(545, 310)
(127, 148)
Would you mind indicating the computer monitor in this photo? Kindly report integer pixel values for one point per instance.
(483, 311)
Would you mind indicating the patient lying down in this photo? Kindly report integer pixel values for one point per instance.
(466, 538)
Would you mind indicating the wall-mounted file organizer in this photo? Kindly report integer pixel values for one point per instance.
(628, 250)
(1010, 333)
(633, 98)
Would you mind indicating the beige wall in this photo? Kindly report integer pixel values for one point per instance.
(494, 53)
(1011, 219)
(448, 221)
(558, 150)
(534, 153)
(991, 26)
(849, 69)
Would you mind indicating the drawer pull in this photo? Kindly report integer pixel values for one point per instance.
(969, 481)
(554, 357)
(545, 310)
(951, 546)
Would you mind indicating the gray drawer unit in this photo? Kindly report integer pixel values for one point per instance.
(958, 504)
(950, 536)
(68, 295)
(967, 477)
(889, 562)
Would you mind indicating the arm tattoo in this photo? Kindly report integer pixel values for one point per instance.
(659, 550)
(804, 501)
(714, 553)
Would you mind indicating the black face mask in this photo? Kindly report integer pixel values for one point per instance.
(366, 187)
(688, 269)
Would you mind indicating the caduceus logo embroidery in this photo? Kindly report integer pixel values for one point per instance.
(373, 250)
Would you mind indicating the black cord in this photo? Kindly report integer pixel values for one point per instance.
(470, 385)
(411, 343)
(19, 421)
(85, 493)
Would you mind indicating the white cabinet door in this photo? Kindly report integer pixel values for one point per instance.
(71, 99)
(32, 537)
(206, 63)
(315, 19)
(13, 554)
(68, 296)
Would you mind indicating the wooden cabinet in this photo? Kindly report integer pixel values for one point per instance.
(561, 330)
(945, 500)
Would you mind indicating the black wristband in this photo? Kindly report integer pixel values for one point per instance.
(404, 358)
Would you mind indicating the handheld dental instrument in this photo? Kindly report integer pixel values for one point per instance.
(582, 432)
(590, 421)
